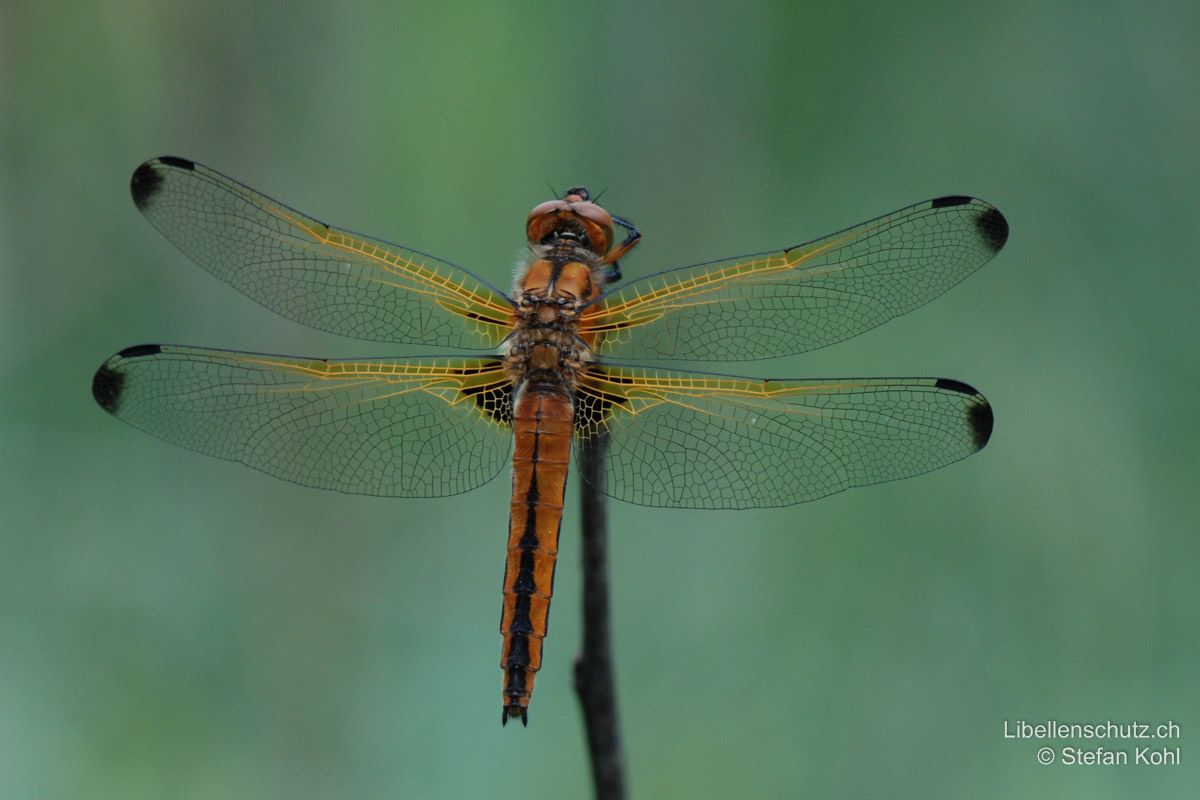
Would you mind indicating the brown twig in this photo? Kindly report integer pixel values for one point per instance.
(595, 682)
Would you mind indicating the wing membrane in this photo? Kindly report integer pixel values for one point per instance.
(307, 271)
(805, 297)
(695, 440)
(392, 427)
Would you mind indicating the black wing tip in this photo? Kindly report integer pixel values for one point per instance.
(993, 227)
(148, 178)
(990, 223)
(144, 184)
(979, 415)
(981, 420)
(107, 385)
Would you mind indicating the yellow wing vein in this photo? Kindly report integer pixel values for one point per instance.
(444, 383)
(652, 305)
(453, 295)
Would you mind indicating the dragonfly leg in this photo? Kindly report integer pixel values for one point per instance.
(613, 273)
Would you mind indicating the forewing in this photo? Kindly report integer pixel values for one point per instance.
(391, 427)
(808, 296)
(307, 271)
(694, 440)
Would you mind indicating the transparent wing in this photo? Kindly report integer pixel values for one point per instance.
(808, 296)
(309, 272)
(694, 440)
(392, 427)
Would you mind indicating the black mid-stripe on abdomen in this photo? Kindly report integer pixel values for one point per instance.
(525, 585)
(543, 424)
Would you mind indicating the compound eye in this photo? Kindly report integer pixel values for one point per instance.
(593, 213)
(548, 207)
(542, 219)
(598, 223)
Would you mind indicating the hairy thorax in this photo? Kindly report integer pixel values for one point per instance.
(545, 348)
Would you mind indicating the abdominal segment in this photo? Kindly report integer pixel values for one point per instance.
(542, 425)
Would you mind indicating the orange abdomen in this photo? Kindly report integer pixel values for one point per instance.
(542, 424)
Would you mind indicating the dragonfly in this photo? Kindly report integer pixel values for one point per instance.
(565, 357)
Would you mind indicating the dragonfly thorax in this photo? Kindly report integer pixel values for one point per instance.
(545, 346)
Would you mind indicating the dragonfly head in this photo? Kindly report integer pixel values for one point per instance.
(574, 217)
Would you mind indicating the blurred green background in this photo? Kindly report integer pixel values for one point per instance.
(176, 626)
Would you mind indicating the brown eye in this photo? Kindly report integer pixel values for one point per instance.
(593, 213)
(599, 218)
(555, 216)
(544, 209)
(541, 220)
